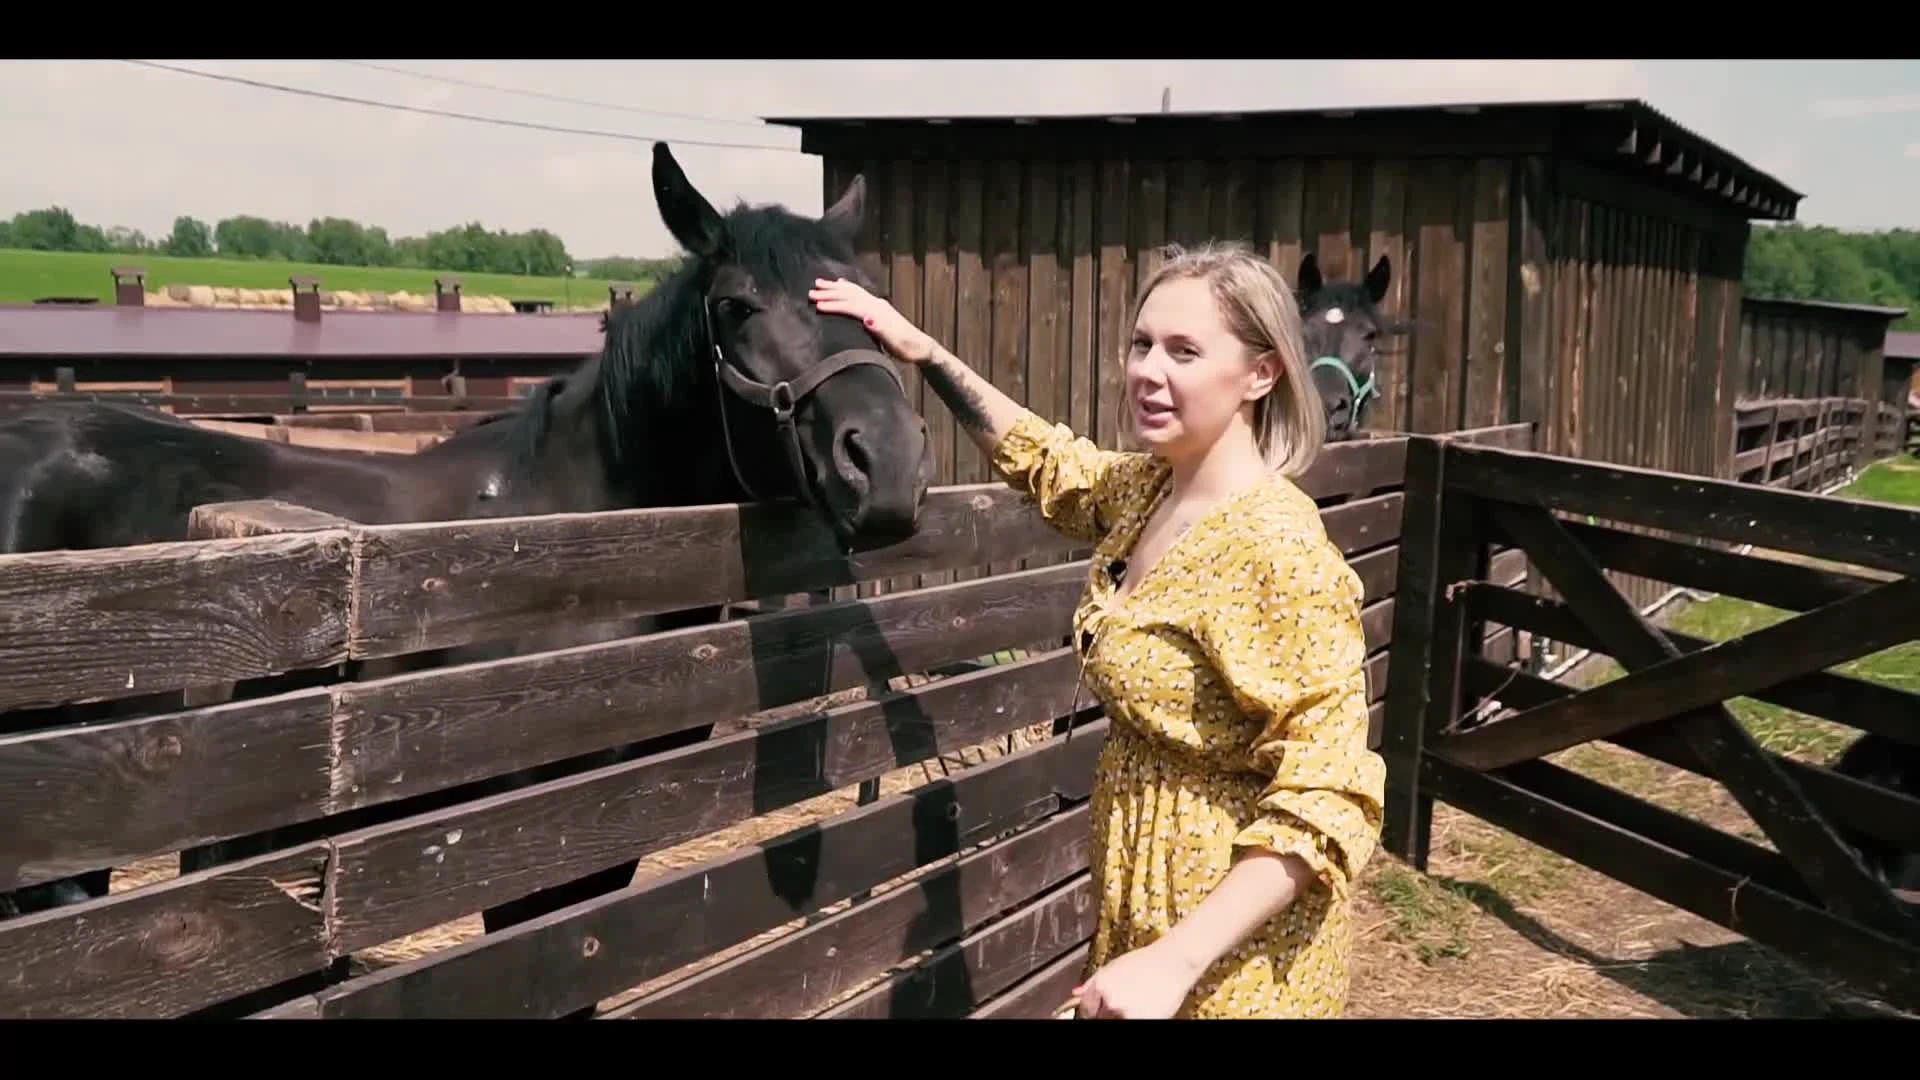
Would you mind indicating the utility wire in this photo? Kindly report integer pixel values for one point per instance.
(562, 98)
(424, 111)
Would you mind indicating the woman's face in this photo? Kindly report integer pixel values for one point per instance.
(1188, 376)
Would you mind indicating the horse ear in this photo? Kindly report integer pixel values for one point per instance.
(1309, 277)
(1378, 278)
(849, 213)
(688, 215)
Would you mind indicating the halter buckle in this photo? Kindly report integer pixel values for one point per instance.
(780, 397)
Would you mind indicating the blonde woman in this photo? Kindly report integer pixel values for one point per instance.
(1235, 799)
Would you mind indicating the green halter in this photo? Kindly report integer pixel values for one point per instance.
(1361, 391)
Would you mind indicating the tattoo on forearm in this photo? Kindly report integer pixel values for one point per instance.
(966, 405)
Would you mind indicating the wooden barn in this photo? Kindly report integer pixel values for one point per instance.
(1576, 264)
(1816, 349)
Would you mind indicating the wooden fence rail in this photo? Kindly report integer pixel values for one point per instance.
(1805, 892)
(1811, 444)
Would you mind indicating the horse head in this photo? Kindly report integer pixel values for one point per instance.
(1342, 324)
(808, 406)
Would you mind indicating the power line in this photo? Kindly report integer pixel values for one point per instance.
(562, 98)
(424, 111)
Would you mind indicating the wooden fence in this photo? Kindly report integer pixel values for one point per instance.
(1811, 444)
(962, 895)
(1801, 892)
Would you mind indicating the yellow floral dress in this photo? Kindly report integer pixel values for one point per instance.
(1234, 681)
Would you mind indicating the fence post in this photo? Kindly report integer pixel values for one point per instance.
(1409, 814)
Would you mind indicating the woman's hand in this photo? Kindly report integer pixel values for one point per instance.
(902, 338)
(1146, 984)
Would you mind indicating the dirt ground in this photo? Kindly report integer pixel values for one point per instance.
(1500, 927)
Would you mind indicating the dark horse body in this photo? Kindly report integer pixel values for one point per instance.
(680, 407)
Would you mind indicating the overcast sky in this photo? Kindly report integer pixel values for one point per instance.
(119, 144)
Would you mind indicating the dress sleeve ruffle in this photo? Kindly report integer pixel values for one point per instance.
(1290, 645)
(1078, 486)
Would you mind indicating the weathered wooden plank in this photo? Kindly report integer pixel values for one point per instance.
(434, 585)
(1329, 209)
(394, 879)
(1359, 525)
(1876, 535)
(1437, 210)
(80, 626)
(1773, 582)
(1530, 319)
(1146, 222)
(983, 963)
(171, 949)
(799, 974)
(1280, 213)
(1042, 995)
(77, 799)
(1189, 202)
(422, 732)
(1863, 703)
(1355, 469)
(571, 959)
(1387, 238)
(1115, 293)
(973, 312)
(1079, 313)
(1690, 681)
(1887, 816)
(1419, 603)
(902, 244)
(1488, 341)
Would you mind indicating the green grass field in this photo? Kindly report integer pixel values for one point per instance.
(27, 275)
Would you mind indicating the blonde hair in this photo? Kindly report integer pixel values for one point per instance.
(1290, 422)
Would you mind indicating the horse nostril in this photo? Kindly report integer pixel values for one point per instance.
(853, 453)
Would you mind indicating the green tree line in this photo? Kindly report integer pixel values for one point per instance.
(1815, 262)
(1795, 261)
(470, 248)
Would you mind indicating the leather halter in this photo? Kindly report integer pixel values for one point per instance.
(783, 398)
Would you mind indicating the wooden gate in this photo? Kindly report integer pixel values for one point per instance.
(1805, 892)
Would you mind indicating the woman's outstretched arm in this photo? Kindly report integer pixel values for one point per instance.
(1077, 486)
(980, 408)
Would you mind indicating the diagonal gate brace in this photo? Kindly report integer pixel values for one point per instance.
(1699, 679)
(1832, 870)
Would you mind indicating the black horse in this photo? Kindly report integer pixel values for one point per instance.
(1342, 324)
(724, 384)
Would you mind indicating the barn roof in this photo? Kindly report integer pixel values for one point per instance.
(1625, 135)
(112, 330)
(1903, 345)
(1873, 311)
